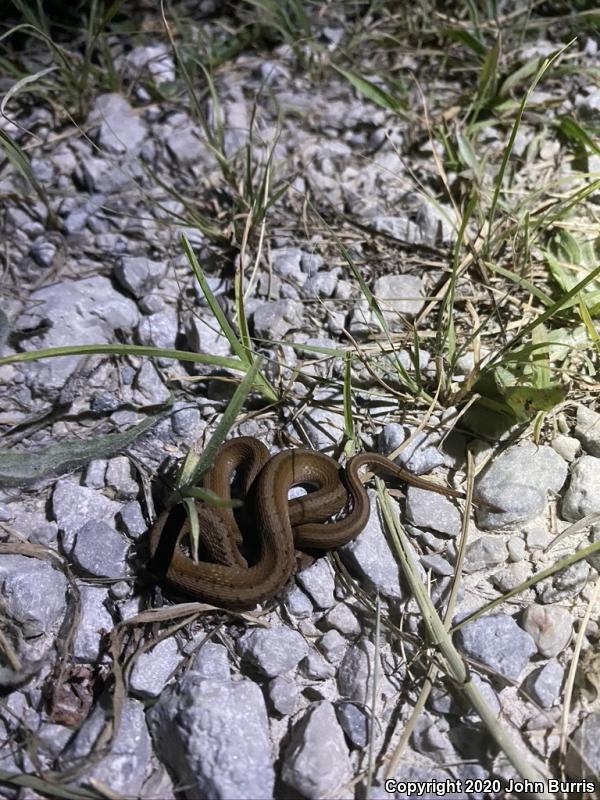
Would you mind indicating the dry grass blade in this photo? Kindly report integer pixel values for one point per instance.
(433, 669)
(540, 576)
(454, 665)
(570, 682)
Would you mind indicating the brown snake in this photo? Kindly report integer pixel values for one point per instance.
(282, 525)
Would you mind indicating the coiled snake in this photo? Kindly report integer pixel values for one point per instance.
(281, 525)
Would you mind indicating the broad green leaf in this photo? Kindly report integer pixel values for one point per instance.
(469, 39)
(29, 466)
(512, 80)
(370, 90)
(577, 134)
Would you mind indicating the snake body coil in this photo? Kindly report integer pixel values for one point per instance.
(281, 525)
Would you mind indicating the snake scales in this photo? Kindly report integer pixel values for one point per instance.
(281, 525)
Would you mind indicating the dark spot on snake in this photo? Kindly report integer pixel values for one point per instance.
(160, 561)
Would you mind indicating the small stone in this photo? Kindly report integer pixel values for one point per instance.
(518, 481)
(274, 650)
(283, 693)
(370, 558)
(437, 565)
(516, 549)
(550, 626)
(33, 594)
(139, 275)
(132, 519)
(582, 498)
(100, 550)
(159, 329)
(420, 456)
(155, 59)
(317, 581)
(149, 387)
(154, 668)
(537, 538)
(118, 477)
(314, 666)
(341, 618)
(187, 422)
(272, 321)
(583, 754)
(430, 510)
(587, 429)
(73, 504)
(355, 724)
(183, 143)
(499, 643)
(204, 336)
(355, 674)
(431, 738)
(43, 252)
(297, 603)
(507, 579)
(103, 402)
(120, 590)
(566, 446)
(399, 296)
(333, 646)
(316, 761)
(544, 684)
(594, 559)
(94, 619)
(563, 585)
(212, 661)
(485, 552)
(214, 736)
(121, 128)
(124, 769)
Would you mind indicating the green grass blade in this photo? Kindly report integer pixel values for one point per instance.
(547, 63)
(194, 465)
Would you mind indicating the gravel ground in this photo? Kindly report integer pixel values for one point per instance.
(370, 206)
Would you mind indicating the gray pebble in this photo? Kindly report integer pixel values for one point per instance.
(94, 619)
(317, 581)
(100, 550)
(550, 626)
(355, 724)
(139, 275)
(544, 684)
(132, 519)
(118, 477)
(583, 754)
(153, 669)
(370, 558)
(485, 552)
(431, 510)
(333, 646)
(316, 667)
(342, 619)
(355, 673)
(587, 429)
(297, 603)
(214, 736)
(316, 762)
(518, 481)
(499, 643)
(273, 650)
(283, 694)
(212, 661)
(582, 498)
(563, 585)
